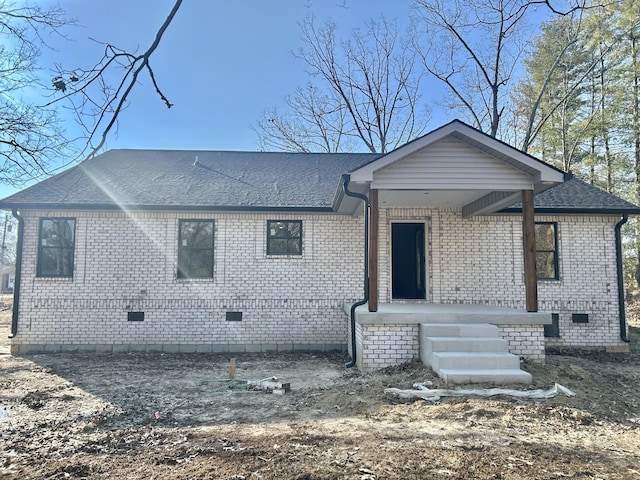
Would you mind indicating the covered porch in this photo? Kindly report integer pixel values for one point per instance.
(455, 169)
(392, 335)
(430, 213)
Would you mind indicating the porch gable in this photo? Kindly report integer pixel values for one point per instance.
(454, 166)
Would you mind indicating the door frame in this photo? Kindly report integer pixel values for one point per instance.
(427, 272)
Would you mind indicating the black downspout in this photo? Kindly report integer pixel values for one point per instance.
(621, 310)
(345, 184)
(18, 274)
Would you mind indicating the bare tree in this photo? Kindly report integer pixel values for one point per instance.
(313, 122)
(365, 93)
(30, 137)
(474, 48)
(566, 69)
(98, 94)
(556, 66)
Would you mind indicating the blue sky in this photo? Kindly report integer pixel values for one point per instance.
(221, 62)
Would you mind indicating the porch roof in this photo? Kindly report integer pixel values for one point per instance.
(577, 197)
(454, 165)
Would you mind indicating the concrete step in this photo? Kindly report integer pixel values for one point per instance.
(458, 330)
(474, 360)
(492, 376)
(470, 353)
(466, 344)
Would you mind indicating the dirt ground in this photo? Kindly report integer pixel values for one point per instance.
(153, 416)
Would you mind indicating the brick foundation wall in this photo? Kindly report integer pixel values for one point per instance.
(384, 345)
(526, 341)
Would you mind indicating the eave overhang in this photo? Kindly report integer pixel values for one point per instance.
(155, 208)
(574, 211)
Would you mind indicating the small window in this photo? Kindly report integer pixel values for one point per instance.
(284, 237)
(547, 250)
(56, 247)
(195, 249)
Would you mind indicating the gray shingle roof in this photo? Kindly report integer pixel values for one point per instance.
(173, 179)
(576, 196)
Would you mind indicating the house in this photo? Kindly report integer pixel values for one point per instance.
(7, 278)
(208, 251)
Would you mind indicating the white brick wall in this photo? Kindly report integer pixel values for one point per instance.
(479, 260)
(295, 303)
(524, 340)
(383, 345)
(128, 263)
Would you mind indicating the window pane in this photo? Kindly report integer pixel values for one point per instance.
(293, 246)
(284, 237)
(545, 236)
(195, 249)
(55, 255)
(56, 262)
(197, 234)
(545, 265)
(284, 229)
(195, 264)
(57, 232)
(293, 229)
(277, 246)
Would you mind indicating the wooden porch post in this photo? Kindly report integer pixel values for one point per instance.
(373, 250)
(529, 246)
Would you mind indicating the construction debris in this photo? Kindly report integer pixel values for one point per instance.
(433, 395)
(269, 385)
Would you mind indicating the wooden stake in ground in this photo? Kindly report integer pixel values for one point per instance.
(232, 368)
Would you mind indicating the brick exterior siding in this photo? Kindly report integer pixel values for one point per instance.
(491, 272)
(126, 263)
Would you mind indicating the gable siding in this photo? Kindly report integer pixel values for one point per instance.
(451, 164)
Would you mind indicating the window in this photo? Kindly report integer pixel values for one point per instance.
(195, 249)
(547, 250)
(284, 237)
(56, 247)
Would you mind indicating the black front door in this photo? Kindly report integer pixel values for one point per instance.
(407, 260)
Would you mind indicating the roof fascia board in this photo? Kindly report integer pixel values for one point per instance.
(156, 208)
(349, 205)
(575, 211)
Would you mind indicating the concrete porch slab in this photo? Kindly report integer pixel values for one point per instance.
(408, 313)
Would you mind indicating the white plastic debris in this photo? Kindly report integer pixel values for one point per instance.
(422, 391)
